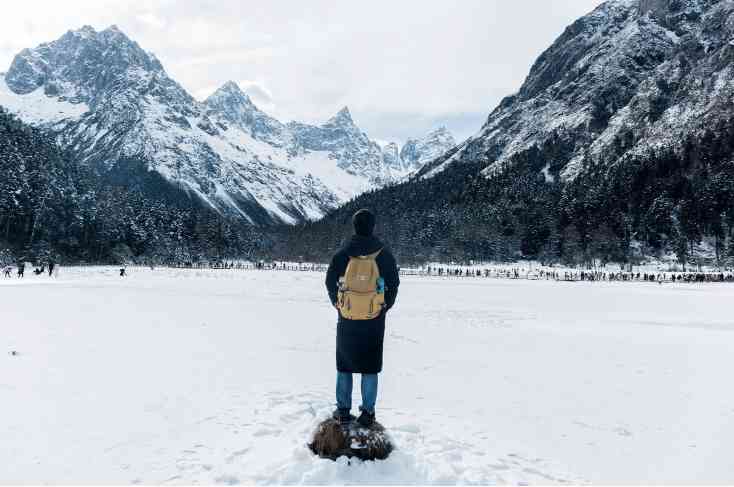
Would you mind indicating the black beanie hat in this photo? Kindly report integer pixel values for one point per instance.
(364, 223)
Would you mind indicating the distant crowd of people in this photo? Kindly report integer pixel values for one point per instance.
(218, 265)
(653, 277)
(259, 265)
(19, 270)
(572, 275)
(489, 272)
(448, 271)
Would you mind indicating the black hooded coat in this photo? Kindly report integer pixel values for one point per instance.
(359, 342)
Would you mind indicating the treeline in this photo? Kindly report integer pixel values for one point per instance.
(53, 208)
(618, 209)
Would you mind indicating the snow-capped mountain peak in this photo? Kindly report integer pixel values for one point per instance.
(82, 64)
(343, 118)
(108, 101)
(230, 89)
(417, 152)
(232, 104)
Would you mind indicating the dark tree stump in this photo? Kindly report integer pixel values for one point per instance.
(332, 441)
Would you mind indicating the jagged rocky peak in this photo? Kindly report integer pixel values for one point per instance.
(230, 88)
(232, 104)
(342, 118)
(417, 152)
(79, 63)
(85, 31)
(440, 136)
(229, 97)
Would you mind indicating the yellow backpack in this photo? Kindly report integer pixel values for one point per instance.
(359, 297)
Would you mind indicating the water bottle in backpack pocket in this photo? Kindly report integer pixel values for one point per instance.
(380, 285)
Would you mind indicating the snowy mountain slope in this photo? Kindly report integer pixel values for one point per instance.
(108, 100)
(417, 152)
(352, 150)
(36, 108)
(617, 147)
(235, 107)
(630, 77)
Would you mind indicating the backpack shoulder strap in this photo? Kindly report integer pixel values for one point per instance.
(371, 256)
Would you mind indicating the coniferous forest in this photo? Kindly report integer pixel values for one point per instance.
(618, 147)
(659, 203)
(665, 202)
(52, 208)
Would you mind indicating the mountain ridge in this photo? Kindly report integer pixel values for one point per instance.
(616, 147)
(110, 100)
(622, 53)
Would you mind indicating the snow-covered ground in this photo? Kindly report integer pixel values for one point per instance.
(201, 376)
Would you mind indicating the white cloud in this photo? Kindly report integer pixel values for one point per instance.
(260, 95)
(152, 20)
(202, 94)
(401, 67)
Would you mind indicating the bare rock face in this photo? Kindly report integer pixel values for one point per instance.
(418, 152)
(657, 7)
(332, 441)
(632, 77)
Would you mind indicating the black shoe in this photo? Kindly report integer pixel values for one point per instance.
(366, 419)
(342, 416)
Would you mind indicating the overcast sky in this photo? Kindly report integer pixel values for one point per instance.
(402, 67)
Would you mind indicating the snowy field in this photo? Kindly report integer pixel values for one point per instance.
(201, 376)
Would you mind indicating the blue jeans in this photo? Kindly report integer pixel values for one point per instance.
(344, 391)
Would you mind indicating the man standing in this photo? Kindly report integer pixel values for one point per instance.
(362, 282)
